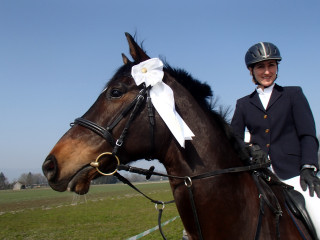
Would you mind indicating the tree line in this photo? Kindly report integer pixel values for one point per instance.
(31, 180)
(28, 180)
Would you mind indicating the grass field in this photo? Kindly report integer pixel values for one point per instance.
(112, 211)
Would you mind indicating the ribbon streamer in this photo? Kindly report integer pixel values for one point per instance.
(151, 73)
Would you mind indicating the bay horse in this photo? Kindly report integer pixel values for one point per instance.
(228, 206)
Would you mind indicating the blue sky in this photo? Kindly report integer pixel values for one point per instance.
(55, 57)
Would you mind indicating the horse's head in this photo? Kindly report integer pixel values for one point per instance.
(121, 103)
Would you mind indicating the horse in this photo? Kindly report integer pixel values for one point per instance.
(227, 206)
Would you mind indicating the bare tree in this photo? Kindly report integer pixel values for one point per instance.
(39, 179)
(105, 180)
(3, 181)
(31, 179)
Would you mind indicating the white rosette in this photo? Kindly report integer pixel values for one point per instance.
(151, 73)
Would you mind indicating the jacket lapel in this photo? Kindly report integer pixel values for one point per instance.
(255, 100)
(276, 94)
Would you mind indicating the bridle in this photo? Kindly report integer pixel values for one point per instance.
(106, 132)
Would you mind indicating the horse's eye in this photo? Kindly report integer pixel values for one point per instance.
(116, 93)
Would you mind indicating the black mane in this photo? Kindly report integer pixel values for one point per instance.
(203, 95)
(200, 91)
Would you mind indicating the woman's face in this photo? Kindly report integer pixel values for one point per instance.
(265, 72)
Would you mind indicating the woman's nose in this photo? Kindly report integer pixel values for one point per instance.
(266, 70)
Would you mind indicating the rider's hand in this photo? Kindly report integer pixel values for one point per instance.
(257, 155)
(309, 179)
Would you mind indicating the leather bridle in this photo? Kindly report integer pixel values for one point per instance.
(106, 132)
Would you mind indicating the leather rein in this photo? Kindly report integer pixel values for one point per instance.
(106, 133)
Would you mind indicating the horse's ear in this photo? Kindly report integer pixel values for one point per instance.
(136, 52)
(125, 59)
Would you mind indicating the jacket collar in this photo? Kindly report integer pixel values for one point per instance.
(276, 94)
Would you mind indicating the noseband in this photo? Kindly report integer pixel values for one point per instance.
(106, 132)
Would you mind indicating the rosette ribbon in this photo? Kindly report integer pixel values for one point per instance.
(151, 73)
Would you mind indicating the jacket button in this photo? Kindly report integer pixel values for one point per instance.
(268, 145)
(265, 116)
(267, 130)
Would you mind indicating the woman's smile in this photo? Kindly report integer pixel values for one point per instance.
(265, 73)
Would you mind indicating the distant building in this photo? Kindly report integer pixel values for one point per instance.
(18, 186)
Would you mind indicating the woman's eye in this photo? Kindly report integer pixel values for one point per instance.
(116, 93)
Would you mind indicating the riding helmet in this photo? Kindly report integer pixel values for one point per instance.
(262, 51)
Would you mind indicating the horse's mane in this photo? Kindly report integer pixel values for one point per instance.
(200, 91)
(203, 95)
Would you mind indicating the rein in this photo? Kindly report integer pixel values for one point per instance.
(157, 202)
(195, 177)
(188, 183)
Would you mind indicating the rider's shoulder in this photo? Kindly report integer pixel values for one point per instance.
(290, 88)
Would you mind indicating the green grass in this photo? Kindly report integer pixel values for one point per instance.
(106, 212)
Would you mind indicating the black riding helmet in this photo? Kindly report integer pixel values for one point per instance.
(262, 51)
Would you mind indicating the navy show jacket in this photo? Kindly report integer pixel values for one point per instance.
(285, 130)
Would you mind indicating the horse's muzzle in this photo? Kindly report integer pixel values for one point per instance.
(49, 168)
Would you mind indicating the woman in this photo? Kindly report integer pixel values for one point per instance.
(280, 121)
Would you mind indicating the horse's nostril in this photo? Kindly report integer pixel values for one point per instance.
(49, 167)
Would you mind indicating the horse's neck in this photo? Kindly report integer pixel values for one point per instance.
(209, 149)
